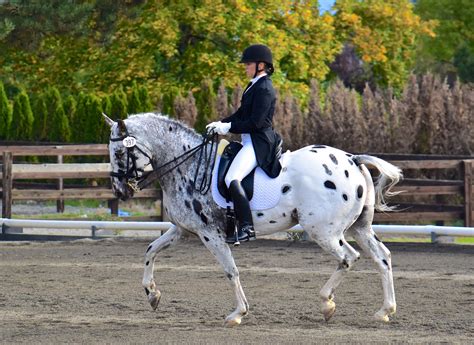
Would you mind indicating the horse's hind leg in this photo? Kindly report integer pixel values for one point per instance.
(365, 237)
(347, 256)
(221, 251)
(170, 237)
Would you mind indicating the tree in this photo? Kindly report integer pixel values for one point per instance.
(206, 105)
(134, 102)
(5, 113)
(40, 112)
(119, 104)
(454, 35)
(385, 34)
(22, 123)
(57, 123)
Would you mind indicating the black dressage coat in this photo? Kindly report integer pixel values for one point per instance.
(255, 117)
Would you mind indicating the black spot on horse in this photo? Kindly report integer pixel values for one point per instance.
(186, 202)
(197, 207)
(180, 189)
(284, 169)
(179, 171)
(171, 129)
(313, 150)
(356, 161)
(348, 155)
(184, 147)
(189, 189)
(147, 263)
(285, 189)
(229, 276)
(149, 247)
(360, 191)
(385, 262)
(259, 214)
(346, 173)
(329, 184)
(333, 158)
(350, 161)
(376, 238)
(341, 243)
(204, 218)
(328, 171)
(206, 239)
(272, 221)
(147, 291)
(344, 196)
(319, 146)
(284, 214)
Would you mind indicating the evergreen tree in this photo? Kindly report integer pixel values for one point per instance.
(22, 123)
(95, 128)
(70, 107)
(119, 104)
(145, 99)
(5, 114)
(40, 112)
(134, 104)
(167, 101)
(80, 119)
(206, 105)
(58, 128)
(106, 105)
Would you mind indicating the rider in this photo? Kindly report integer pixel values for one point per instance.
(253, 120)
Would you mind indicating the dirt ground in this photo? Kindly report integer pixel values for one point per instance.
(90, 292)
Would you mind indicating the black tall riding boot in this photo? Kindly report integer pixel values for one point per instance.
(242, 212)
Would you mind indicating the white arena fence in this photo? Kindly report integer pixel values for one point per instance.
(94, 226)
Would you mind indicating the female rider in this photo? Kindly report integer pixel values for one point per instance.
(261, 144)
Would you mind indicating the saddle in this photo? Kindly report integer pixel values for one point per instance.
(226, 160)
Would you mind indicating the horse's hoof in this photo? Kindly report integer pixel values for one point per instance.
(381, 316)
(329, 308)
(232, 322)
(154, 299)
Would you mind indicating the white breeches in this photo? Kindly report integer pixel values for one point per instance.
(243, 163)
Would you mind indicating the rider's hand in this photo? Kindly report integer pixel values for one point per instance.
(219, 127)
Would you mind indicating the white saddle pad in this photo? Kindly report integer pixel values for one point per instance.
(266, 190)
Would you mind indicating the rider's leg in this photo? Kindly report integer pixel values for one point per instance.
(244, 162)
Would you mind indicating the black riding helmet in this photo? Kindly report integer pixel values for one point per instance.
(259, 53)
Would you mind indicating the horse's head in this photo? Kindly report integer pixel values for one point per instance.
(128, 158)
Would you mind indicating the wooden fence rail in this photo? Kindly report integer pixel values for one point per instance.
(459, 190)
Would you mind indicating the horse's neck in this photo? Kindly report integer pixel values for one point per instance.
(169, 141)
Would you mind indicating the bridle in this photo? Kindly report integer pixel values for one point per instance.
(138, 182)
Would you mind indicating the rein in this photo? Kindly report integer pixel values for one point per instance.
(207, 156)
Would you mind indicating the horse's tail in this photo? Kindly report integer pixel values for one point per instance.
(389, 176)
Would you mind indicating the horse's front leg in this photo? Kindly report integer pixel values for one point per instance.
(221, 251)
(170, 237)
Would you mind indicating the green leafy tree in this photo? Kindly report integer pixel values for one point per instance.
(22, 123)
(454, 36)
(57, 123)
(119, 104)
(206, 105)
(5, 114)
(70, 107)
(145, 100)
(40, 112)
(134, 102)
(385, 34)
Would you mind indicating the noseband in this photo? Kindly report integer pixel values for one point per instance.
(137, 183)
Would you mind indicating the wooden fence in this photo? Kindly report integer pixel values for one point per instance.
(425, 199)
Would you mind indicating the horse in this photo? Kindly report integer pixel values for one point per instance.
(329, 192)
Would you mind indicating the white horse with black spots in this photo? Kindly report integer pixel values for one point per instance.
(327, 191)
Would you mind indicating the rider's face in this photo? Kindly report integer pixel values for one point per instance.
(250, 69)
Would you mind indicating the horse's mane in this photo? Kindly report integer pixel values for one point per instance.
(167, 121)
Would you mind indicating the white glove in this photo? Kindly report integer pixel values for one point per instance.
(219, 127)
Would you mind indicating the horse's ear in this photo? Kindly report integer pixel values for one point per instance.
(108, 120)
(122, 127)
